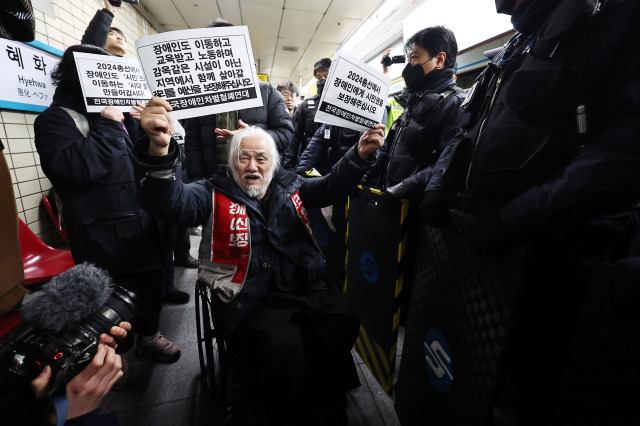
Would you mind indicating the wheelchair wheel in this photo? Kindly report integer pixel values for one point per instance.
(209, 351)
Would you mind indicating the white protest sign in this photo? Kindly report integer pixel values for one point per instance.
(111, 80)
(26, 76)
(354, 95)
(201, 71)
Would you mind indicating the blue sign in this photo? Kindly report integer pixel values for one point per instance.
(321, 233)
(369, 267)
(439, 363)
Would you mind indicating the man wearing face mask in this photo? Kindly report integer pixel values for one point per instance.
(532, 244)
(303, 119)
(429, 120)
(425, 127)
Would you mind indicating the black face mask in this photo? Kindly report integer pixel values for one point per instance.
(413, 75)
(505, 6)
(320, 86)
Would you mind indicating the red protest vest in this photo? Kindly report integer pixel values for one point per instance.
(224, 267)
(227, 242)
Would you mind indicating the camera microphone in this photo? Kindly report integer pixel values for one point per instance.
(62, 325)
(69, 298)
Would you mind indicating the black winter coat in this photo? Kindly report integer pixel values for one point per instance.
(417, 138)
(326, 149)
(530, 162)
(98, 29)
(200, 140)
(284, 258)
(94, 177)
(305, 128)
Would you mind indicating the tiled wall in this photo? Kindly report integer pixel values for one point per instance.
(16, 127)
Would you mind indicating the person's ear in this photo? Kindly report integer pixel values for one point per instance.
(441, 58)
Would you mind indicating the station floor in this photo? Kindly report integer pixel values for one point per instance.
(172, 394)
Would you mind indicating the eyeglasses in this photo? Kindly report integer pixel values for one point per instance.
(288, 95)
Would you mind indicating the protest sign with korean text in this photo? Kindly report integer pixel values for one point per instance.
(354, 95)
(201, 71)
(26, 70)
(111, 80)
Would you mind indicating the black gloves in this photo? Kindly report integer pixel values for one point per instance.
(400, 190)
(434, 208)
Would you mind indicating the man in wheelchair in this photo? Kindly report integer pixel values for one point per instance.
(287, 327)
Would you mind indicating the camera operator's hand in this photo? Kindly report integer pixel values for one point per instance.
(110, 7)
(112, 113)
(156, 121)
(385, 69)
(118, 332)
(40, 385)
(228, 134)
(86, 390)
(370, 141)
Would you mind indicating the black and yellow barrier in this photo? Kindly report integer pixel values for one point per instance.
(375, 250)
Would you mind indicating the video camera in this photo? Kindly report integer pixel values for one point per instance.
(30, 347)
(118, 3)
(388, 60)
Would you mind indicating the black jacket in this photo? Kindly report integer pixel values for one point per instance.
(530, 163)
(284, 258)
(94, 177)
(98, 29)
(305, 128)
(200, 140)
(326, 148)
(416, 139)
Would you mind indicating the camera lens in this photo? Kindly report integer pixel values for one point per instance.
(386, 61)
(119, 307)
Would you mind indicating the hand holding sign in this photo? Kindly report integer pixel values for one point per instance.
(137, 109)
(112, 113)
(354, 96)
(155, 120)
(371, 141)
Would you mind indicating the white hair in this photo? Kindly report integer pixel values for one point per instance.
(252, 131)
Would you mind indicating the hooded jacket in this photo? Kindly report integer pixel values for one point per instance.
(94, 177)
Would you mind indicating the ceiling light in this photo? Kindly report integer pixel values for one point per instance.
(374, 20)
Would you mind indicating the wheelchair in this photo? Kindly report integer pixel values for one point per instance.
(212, 350)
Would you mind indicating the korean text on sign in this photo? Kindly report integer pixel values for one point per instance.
(201, 71)
(354, 96)
(111, 80)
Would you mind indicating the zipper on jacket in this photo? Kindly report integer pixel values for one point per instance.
(484, 121)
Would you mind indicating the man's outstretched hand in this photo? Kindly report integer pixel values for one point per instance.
(228, 134)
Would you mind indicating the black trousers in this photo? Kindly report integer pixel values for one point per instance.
(299, 353)
(147, 286)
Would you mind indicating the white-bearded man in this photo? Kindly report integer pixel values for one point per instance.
(280, 319)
